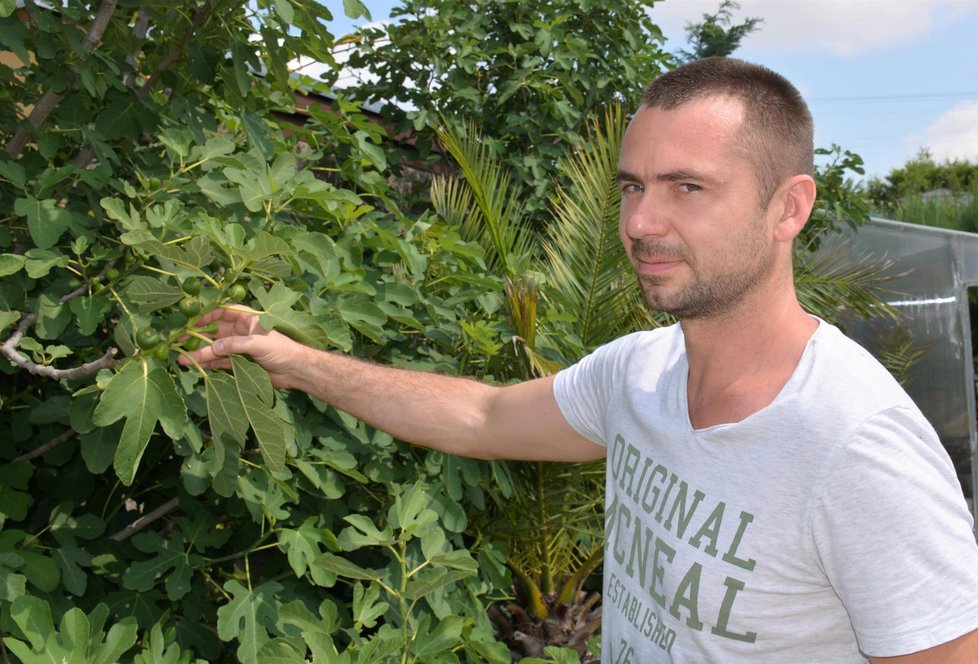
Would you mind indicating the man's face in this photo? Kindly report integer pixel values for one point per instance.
(690, 220)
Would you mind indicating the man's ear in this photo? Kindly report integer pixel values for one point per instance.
(797, 197)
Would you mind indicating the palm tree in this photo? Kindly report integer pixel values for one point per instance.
(567, 289)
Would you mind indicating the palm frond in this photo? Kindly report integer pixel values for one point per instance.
(829, 286)
(452, 200)
(500, 225)
(585, 261)
(554, 524)
(541, 365)
(522, 297)
(899, 352)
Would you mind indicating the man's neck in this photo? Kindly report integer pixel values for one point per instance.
(738, 363)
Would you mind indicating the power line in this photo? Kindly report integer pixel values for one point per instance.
(906, 97)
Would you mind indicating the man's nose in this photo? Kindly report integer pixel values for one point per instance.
(642, 216)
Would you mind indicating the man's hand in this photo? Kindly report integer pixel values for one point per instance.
(239, 332)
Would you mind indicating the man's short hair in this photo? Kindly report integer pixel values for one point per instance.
(778, 133)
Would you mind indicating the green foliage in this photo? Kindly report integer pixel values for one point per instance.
(589, 270)
(921, 175)
(716, 35)
(954, 212)
(839, 202)
(78, 638)
(156, 513)
(828, 286)
(488, 210)
(924, 192)
(527, 73)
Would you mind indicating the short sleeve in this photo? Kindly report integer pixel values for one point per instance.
(583, 390)
(895, 538)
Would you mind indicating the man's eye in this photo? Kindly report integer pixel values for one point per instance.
(689, 187)
(632, 188)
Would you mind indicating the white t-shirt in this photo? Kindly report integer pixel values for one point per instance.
(826, 525)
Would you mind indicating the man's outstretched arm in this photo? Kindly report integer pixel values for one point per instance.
(455, 415)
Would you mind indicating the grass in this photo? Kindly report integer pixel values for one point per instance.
(958, 212)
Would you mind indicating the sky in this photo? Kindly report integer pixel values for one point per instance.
(883, 78)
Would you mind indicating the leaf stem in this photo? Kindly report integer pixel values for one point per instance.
(216, 585)
(156, 269)
(122, 305)
(190, 332)
(193, 361)
(240, 554)
(240, 308)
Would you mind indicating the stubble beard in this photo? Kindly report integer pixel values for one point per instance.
(705, 295)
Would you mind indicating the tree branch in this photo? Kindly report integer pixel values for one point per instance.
(48, 446)
(42, 109)
(87, 154)
(139, 32)
(9, 347)
(50, 99)
(84, 157)
(145, 520)
(198, 19)
(9, 351)
(95, 31)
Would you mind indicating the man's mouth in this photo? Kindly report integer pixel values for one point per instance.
(652, 259)
(652, 265)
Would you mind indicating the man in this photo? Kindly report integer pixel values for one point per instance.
(772, 494)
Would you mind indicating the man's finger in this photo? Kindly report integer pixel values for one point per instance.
(216, 351)
(232, 322)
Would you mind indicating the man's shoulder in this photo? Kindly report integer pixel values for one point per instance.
(845, 372)
(645, 351)
(667, 335)
(836, 351)
(656, 346)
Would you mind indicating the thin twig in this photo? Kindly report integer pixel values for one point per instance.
(145, 520)
(48, 446)
(9, 350)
